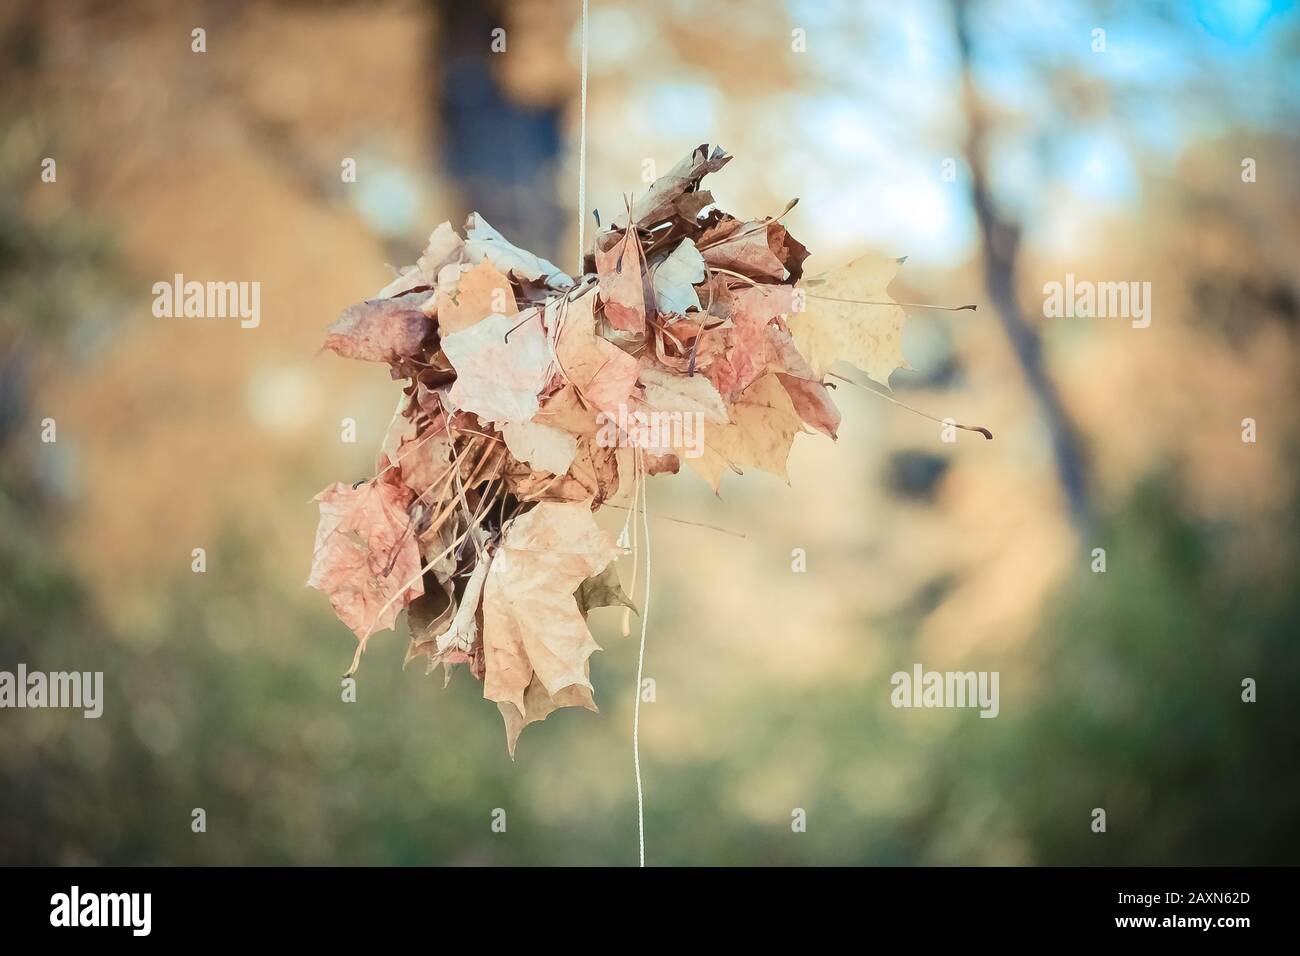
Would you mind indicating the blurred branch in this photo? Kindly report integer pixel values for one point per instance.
(1001, 246)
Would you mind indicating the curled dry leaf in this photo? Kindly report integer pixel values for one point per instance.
(622, 280)
(660, 202)
(676, 277)
(746, 249)
(484, 242)
(379, 330)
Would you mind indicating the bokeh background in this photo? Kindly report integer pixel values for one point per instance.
(1119, 690)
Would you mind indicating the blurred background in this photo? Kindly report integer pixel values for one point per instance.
(991, 142)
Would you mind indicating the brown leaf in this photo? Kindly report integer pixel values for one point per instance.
(378, 330)
(602, 590)
(660, 201)
(689, 205)
(748, 251)
(593, 476)
(655, 464)
(812, 399)
(788, 249)
(622, 280)
(482, 291)
(366, 557)
(532, 627)
(812, 402)
(602, 372)
(565, 410)
(425, 462)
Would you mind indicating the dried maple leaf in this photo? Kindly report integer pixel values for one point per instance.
(366, 559)
(482, 291)
(660, 201)
(538, 705)
(425, 462)
(602, 590)
(566, 411)
(532, 626)
(602, 372)
(379, 330)
(499, 378)
(835, 324)
(592, 476)
(622, 280)
(747, 350)
(762, 429)
(812, 400)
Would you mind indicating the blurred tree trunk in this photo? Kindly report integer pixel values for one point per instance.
(502, 155)
(1001, 246)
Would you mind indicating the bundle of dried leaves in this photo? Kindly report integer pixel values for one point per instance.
(528, 403)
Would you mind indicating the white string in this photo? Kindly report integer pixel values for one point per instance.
(640, 665)
(638, 460)
(582, 153)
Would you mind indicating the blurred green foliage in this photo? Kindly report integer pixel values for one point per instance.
(1130, 701)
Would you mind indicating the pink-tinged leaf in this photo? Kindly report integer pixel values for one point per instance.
(367, 559)
(622, 280)
(602, 372)
(533, 630)
(379, 330)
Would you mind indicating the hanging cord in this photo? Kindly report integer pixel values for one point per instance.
(582, 153)
(638, 469)
(640, 661)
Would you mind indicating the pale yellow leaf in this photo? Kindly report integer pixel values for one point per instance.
(868, 336)
(532, 627)
(762, 429)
